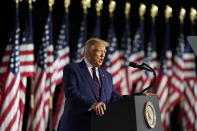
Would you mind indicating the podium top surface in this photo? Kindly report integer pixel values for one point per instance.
(193, 42)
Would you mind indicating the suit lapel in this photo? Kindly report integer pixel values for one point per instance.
(86, 73)
(102, 78)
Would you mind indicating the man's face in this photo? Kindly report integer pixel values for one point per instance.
(96, 54)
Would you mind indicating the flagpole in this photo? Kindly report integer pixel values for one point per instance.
(150, 54)
(166, 120)
(126, 51)
(50, 4)
(182, 15)
(32, 103)
(113, 61)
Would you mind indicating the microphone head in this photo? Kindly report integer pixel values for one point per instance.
(132, 64)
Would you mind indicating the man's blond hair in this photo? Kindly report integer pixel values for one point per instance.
(94, 41)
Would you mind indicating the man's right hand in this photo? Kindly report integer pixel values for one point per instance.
(99, 108)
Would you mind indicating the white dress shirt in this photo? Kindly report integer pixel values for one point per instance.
(89, 66)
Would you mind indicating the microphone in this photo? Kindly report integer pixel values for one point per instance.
(143, 66)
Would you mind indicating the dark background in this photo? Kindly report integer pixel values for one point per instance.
(7, 17)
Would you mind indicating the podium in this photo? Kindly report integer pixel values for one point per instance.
(136, 113)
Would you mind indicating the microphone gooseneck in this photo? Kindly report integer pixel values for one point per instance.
(143, 66)
(146, 67)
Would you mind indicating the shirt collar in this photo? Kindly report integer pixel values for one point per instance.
(88, 64)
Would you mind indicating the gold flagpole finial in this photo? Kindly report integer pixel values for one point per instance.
(66, 5)
(168, 12)
(99, 7)
(17, 3)
(182, 15)
(193, 15)
(86, 4)
(30, 4)
(142, 10)
(154, 11)
(127, 9)
(51, 3)
(112, 7)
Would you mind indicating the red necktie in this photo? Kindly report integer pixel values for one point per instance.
(96, 82)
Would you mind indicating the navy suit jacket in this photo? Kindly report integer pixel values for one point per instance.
(80, 95)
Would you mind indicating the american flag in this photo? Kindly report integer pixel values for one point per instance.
(27, 49)
(11, 112)
(150, 58)
(195, 108)
(137, 55)
(42, 82)
(113, 60)
(62, 51)
(26, 58)
(97, 32)
(164, 76)
(126, 54)
(26, 53)
(59, 108)
(0, 92)
(195, 85)
(189, 91)
(82, 39)
(177, 81)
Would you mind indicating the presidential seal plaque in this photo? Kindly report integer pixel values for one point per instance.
(149, 114)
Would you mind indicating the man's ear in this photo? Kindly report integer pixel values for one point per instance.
(84, 53)
(87, 53)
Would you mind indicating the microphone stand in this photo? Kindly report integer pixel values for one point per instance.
(152, 83)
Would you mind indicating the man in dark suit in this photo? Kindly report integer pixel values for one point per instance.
(87, 87)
